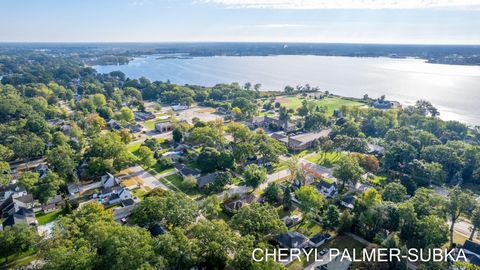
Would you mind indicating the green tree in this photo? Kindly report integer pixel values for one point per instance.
(145, 156)
(259, 220)
(348, 170)
(125, 115)
(394, 192)
(48, 186)
(29, 180)
(475, 219)
(287, 199)
(310, 201)
(254, 175)
(17, 239)
(216, 242)
(331, 219)
(177, 249)
(5, 173)
(176, 209)
(62, 160)
(431, 232)
(273, 193)
(212, 206)
(458, 202)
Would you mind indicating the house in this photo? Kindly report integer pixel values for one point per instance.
(53, 204)
(336, 264)
(291, 221)
(319, 239)
(305, 140)
(348, 201)
(135, 128)
(237, 204)
(186, 171)
(293, 240)
(327, 188)
(206, 179)
(268, 122)
(109, 180)
(142, 116)
(174, 155)
(179, 107)
(114, 125)
(22, 216)
(472, 252)
(382, 104)
(163, 127)
(14, 203)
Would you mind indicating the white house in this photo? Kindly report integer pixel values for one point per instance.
(327, 188)
(109, 180)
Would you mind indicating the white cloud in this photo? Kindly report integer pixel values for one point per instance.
(345, 4)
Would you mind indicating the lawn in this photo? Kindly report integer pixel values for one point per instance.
(325, 159)
(307, 228)
(49, 217)
(132, 147)
(329, 103)
(177, 180)
(140, 193)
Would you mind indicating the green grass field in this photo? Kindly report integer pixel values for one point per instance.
(325, 159)
(49, 217)
(329, 103)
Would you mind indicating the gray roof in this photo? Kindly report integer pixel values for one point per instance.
(206, 179)
(293, 240)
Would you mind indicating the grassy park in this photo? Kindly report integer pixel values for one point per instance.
(329, 103)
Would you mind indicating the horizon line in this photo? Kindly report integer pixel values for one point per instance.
(264, 42)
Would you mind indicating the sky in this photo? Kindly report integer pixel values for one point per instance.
(345, 21)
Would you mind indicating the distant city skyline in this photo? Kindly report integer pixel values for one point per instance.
(346, 21)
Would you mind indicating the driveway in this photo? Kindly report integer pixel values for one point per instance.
(148, 179)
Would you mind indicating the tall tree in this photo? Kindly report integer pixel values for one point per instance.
(254, 175)
(348, 170)
(259, 220)
(458, 202)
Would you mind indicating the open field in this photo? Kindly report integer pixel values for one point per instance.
(325, 159)
(329, 103)
(49, 217)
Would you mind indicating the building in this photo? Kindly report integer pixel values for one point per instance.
(293, 240)
(319, 239)
(109, 180)
(163, 127)
(179, 107)
(305, 140)
(327, 188)
(268, 122)
(22, 216)
(206, 179)
(186, 171)
(291, 221)
(15, 203)
(237, 204)
(348, 201)
(114, 125)
(143, 116)
(53, 204)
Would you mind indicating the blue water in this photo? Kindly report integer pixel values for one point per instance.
(454, 90)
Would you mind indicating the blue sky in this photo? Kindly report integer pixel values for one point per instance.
(356, 21)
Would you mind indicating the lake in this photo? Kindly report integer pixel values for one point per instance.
(454, 90)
